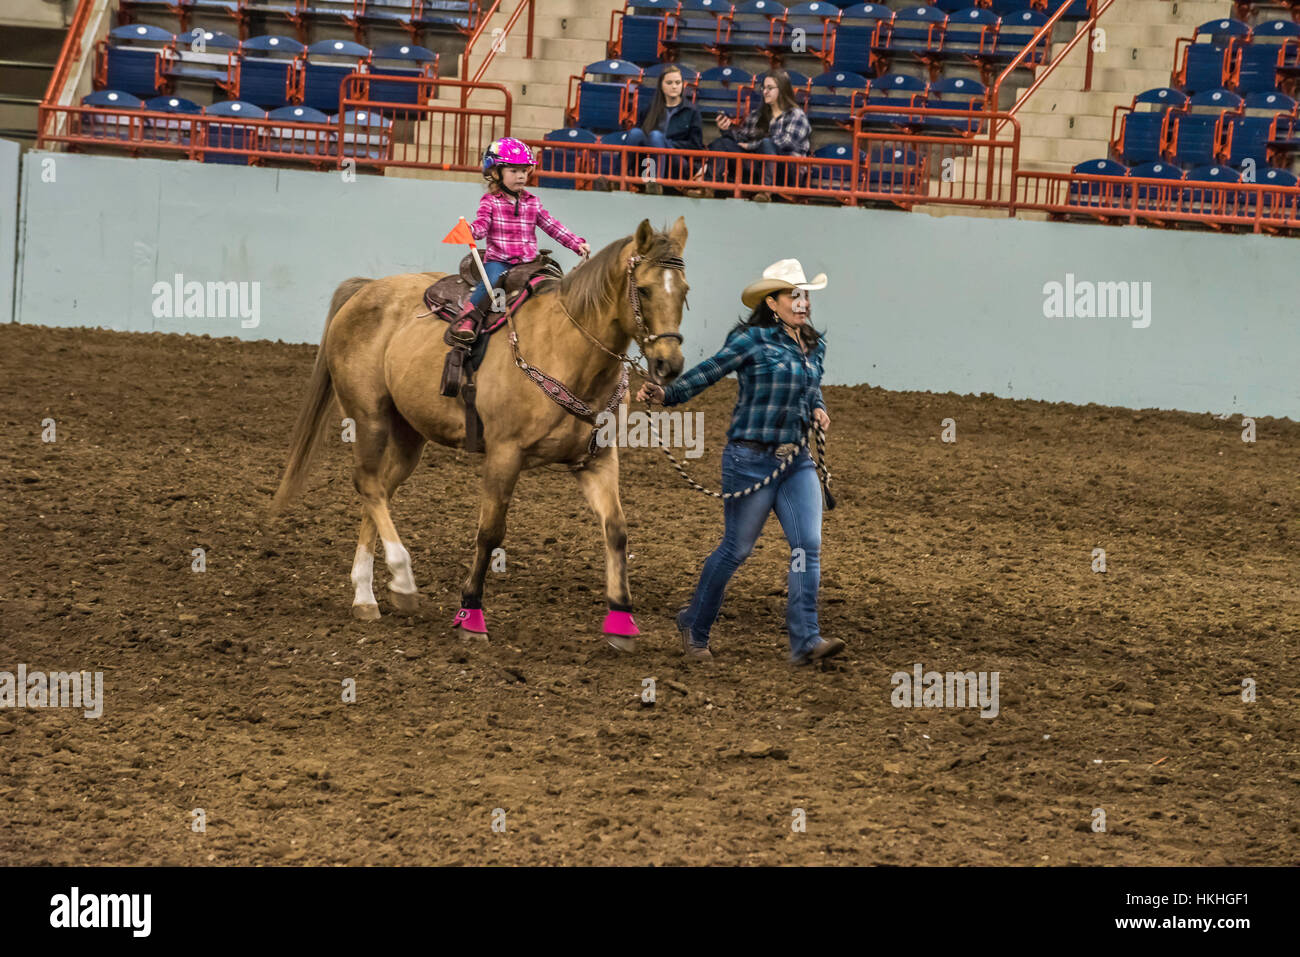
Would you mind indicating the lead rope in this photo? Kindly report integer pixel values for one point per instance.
(824, 473)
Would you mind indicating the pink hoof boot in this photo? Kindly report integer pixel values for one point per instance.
(471, 619)
(621, 630)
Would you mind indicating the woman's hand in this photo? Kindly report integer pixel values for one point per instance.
(584, 250)
(723, 121)
(822, 419)
(651, 393)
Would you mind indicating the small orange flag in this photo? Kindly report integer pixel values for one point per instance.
(460, 236)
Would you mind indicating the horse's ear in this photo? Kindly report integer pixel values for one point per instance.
(644, 233)
(678, 233)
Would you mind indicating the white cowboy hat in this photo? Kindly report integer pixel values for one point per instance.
(786, 274)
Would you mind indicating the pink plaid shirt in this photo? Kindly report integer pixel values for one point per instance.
(512, 236)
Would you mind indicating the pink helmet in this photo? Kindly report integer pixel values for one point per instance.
(507, 151)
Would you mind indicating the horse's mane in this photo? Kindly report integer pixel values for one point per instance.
(588, 288)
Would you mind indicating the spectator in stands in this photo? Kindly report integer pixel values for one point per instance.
(779, 128)
(508, 217)
(672, 123)
(777, 356)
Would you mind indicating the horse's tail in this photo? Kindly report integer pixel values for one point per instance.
(308, 430)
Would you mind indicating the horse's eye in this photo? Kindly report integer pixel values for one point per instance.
(643, 290)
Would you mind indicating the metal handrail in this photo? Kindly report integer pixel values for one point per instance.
(69, 52)
(995, 91)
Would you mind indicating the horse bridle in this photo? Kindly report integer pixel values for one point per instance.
(645, 337)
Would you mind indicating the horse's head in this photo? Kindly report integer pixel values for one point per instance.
(657, 289)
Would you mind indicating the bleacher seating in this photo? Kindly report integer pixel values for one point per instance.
(327, 63)
(268, 70)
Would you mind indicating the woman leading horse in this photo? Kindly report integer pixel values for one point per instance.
(777, 356)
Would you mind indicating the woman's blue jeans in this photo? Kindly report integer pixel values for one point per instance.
(797, 500)
(654, 140)
(495, 271)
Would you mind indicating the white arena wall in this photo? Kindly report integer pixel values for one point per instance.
(954, 304)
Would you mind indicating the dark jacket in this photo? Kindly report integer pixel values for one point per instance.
(685, 129)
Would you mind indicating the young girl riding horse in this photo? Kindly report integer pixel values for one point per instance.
(508, 217)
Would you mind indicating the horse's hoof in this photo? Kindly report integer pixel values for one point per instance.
(621, 642)
(408, 602)
(365, 612)
(471, 620)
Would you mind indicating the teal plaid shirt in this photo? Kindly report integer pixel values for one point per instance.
(779, 385)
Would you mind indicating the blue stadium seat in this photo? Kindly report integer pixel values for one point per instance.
(611, 164)
(447, 16)
(268, 70)
(390, 13)
(817, 20)
(558, 160)
(1196, 131)
(1257, 62)
(173, 129)
(1004, 7)
(1151, 195)
(232, 136)
(832, 177)
(698, 25)
(894, 90)
(605, 100)
(289, 139)
(328, 63)
(954, 93)
(641, 39)
(404, 60)
(830, 97)
(1248, 132)
(131, 59)
(110, 126)
(1097, 194)
(890, 169)
(1016, 31)
(366, 134)
(971, 34)
(1142, 135)
(205, 57)
(1205, 61)
(1220, 202)
(755, 26)
(858, 37)
(916, 30)
(723, 89)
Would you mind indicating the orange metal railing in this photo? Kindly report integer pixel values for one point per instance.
(1043, 35)
(368, 133)
(884, 166)
(1128, 199)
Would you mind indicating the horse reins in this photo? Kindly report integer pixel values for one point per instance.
(565, 397)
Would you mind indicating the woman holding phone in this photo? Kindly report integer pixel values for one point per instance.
(778, 128)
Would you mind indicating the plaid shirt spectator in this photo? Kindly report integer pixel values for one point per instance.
(789, 131)
(510, 225)
(779, 385)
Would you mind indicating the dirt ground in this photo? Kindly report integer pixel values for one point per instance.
(1120, 691)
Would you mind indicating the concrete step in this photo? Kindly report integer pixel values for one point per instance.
(1069, 126)
(1069, 151)
(518, 70)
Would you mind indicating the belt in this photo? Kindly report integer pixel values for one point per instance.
(782, 450)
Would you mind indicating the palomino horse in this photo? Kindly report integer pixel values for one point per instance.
(383, 361)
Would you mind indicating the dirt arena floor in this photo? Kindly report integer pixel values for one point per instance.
(1120, 691)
